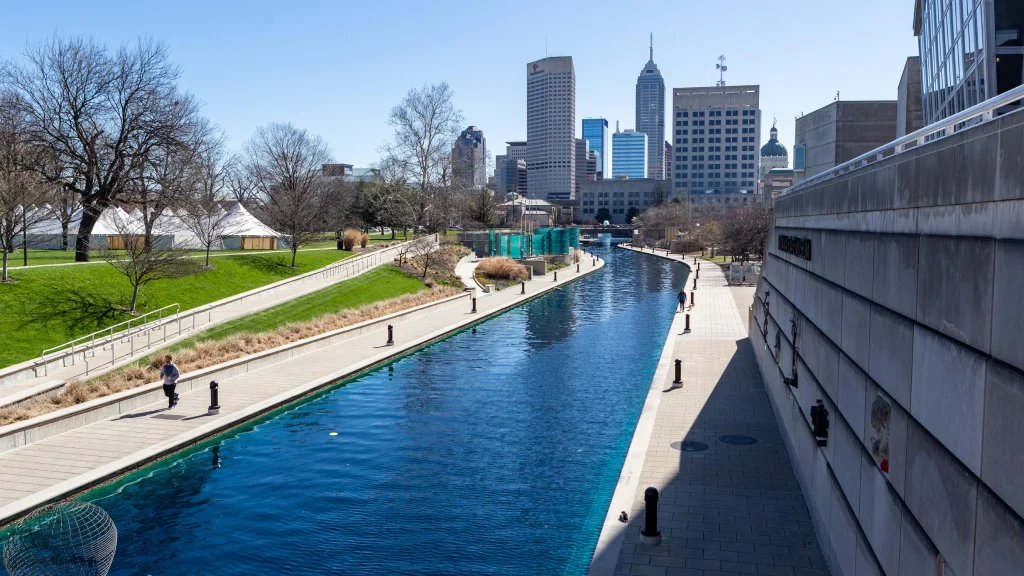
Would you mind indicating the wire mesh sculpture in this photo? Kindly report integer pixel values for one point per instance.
(64, 539)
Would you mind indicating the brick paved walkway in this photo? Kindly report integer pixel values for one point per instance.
(730, 509)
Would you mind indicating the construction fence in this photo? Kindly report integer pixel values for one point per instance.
(542, 242)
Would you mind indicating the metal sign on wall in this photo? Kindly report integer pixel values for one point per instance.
(799, 247)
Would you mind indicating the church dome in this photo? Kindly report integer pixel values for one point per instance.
(774, 147)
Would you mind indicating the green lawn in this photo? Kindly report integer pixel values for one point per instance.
(373, 286)
(45, 307)
(40, 257)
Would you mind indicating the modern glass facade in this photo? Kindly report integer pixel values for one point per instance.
(595, 132)
(629, 154)
(970, 50)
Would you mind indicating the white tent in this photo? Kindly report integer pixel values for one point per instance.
(111, 223)
(243, 231)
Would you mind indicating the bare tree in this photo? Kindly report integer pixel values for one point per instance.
(202, 211)
(62, 205)
(237, 180)
(480, 207)
(386, 203)
(99, 114)
(284, 165)
(426, 124)
(422, 250)
(20, 189)
(142, 265)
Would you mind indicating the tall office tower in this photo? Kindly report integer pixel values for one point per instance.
(629, 153)
(596, 132)
(591, 165)
(716, 135)
(582, 152)
(967, 55)
(650, 115)
(551, 128)
(469, 158)
(500, 173)
(668, 157)
(515, 150)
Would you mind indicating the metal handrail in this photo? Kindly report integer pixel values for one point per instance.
(359, 263)
(982, 112)
(107, 334)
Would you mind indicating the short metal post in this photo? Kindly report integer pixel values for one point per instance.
(523, 291)
(687, 329)
(474, 305)
(693, 299)
(696, 274)
(694, 259)
(577, 267)
(679, 372)
(556, 275)
(214, 398)
(391, 335)
(650, 530)
(698, 266)
(593, 262)
(694, 284)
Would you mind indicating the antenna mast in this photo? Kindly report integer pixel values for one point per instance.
(721, 67)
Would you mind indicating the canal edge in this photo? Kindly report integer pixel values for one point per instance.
(613, 531)
(115, 470)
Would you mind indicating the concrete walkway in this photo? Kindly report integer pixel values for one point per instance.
(191, 322)
(68, 463)
(725, 509)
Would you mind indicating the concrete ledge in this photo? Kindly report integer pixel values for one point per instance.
(104, 473)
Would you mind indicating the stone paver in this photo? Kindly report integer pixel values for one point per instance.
(729, 509)
(62, 464)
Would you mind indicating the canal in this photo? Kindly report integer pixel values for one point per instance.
(495, 451)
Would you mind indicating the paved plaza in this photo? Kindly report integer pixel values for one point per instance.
(724, 508)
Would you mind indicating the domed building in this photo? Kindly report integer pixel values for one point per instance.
(773, 154)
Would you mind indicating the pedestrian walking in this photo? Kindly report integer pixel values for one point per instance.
(169, 372)
(682, 300)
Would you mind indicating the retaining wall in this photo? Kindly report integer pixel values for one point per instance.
(902, 320)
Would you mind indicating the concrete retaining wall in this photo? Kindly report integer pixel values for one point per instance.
(36, 429)
(905, 319)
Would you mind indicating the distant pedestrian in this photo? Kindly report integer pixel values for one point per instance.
(682, 300)
(169, 372)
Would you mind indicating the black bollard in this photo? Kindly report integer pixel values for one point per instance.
(698, 266)
(391, 335)
(694, 284)
(679, 372)
(556, 275)
(214, 398)
(696, 275)
(687, 329)
(593, 262)
(694, 259)
(650, 531)
(577, 267)
(474, 305)
(524, 288)
(693, 299)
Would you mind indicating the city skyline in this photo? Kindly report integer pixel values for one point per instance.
(234, 61)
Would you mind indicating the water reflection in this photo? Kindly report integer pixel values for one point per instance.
(492, 452)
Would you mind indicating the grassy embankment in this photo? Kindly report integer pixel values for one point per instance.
(376, 293)
(45, 307)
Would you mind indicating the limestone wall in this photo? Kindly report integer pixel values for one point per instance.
(906, 322)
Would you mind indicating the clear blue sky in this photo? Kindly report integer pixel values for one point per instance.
(337, 67)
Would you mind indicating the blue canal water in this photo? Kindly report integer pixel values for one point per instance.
(491, 452)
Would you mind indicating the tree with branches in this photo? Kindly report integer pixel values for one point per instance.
(426, 124)
(202, 211)
(99, 114)
(141, 264)
(284, 165)
(21, 192)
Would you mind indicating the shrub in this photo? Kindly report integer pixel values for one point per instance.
(364, 239)
(502, 269)
(351, 238)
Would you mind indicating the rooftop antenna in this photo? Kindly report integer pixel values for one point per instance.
(652, 46)
(837, 95)
(721, 67)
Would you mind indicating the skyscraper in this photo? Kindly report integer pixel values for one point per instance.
(716, 135)
(469, 158)
(650, 115)
(551, 128)
(629, 153)
(596, 132)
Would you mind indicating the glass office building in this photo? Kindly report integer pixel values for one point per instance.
(970, 50)
(650, 115)
(629, 154)
(595, 132)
